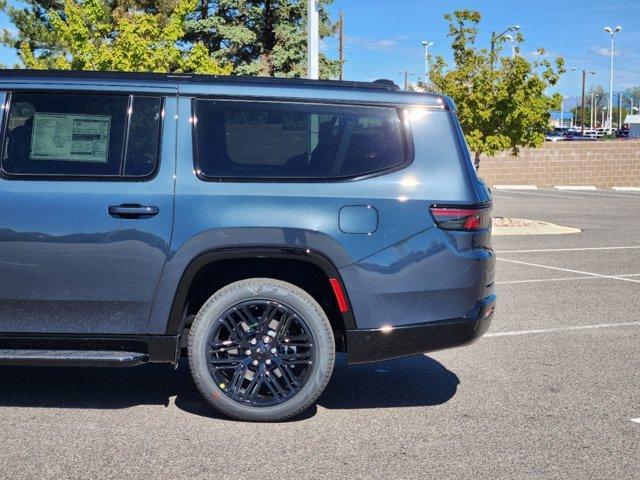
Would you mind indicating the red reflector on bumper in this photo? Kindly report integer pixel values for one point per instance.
(340, 296)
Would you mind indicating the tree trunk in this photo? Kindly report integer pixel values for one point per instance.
(476, 160)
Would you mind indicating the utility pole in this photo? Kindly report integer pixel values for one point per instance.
(312, 39)
(584, 79)
(406, 74)
(341, 44)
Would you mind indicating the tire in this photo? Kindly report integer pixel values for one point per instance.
(246, 380)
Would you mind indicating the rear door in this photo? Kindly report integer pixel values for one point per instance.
(86, 209)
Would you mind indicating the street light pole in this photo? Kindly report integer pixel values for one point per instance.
(591, 112)
(619, 111)
(611, 33)
(426, 46)
(495, 38)
(312, 40)
(562, 111)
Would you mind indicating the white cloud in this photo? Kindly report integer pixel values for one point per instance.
(604, 52)
(368, 44)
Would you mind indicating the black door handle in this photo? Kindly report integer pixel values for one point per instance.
(133, 211)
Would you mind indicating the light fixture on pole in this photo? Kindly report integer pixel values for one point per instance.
(426, 46)
(494, 37)
(611, 32)
(513, 45)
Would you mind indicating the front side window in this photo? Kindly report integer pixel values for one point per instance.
(236, 139)
(63, 134)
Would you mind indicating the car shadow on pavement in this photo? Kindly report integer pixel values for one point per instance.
(407, 382)
(415, 381)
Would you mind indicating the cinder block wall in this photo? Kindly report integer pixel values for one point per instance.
(602, 163)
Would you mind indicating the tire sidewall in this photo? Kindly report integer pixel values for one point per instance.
(266, 289)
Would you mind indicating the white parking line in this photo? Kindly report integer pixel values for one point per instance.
(519, 192)
(561, 329)
(560, 279)
(575, 249)
(599, 194)
(501, 196)
(637, 420)
(580, 272)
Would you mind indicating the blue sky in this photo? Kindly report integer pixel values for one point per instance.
(383, 36)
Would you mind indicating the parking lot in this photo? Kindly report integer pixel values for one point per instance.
(550, 392)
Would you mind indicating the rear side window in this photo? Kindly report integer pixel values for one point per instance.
(64, 134)
(236, 139)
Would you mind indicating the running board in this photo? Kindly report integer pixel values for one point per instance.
(75, 358)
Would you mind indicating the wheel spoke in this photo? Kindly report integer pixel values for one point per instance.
(273, 385)
(283, 326)
(226, 362)
(237, 379)
(254, 387)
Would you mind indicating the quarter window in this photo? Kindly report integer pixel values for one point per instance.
(236, 139)
(63, 134)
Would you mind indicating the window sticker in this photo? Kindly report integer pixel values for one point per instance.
(71, 137)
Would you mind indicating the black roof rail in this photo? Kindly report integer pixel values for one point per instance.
(196, 78)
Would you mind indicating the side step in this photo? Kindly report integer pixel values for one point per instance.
(76, 358)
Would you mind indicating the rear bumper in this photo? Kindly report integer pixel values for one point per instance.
(373, 345)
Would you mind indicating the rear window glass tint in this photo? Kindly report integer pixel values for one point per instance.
(296, 140)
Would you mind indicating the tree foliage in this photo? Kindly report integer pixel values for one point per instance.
(90, 36)
(501, 102)
(255, 37)
(260, 37)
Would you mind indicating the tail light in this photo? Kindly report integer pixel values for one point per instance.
(462, 218)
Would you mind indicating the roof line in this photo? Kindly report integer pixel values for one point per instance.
(196, 78)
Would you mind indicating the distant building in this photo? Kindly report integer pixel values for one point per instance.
(634, 125)
(554, 119)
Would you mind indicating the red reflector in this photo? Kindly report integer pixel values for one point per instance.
(340, 297)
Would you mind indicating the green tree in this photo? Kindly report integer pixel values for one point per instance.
(501, 102)
(90, 36)
(255, 37)
(260, 37)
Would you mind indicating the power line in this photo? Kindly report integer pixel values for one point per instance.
(589, 62)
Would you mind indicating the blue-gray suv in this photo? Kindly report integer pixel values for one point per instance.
(255, 225)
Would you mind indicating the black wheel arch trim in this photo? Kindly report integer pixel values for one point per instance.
(175, 324)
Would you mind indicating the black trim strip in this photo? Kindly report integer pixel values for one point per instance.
(158, 348)
(367, 346)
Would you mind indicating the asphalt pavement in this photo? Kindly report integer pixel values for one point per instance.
(551, 391)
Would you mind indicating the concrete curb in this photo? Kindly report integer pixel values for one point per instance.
(515, 187)
(575, 187)
(626, 189)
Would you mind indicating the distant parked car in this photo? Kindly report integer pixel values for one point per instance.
(554, 137)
